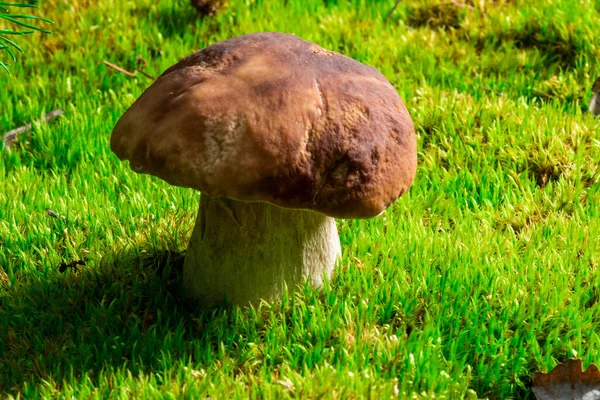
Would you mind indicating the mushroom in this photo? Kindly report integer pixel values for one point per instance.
(280, 136)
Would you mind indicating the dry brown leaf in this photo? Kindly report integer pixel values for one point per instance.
(567, 381)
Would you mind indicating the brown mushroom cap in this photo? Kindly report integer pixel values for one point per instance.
(271, 117)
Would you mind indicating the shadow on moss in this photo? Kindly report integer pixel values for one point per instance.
(208, 8)
(436, 16)
(125, 313)
(558, 47)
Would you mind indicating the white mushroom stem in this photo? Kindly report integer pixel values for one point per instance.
(242, 252)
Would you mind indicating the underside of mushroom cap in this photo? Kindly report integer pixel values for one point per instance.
(271, 117)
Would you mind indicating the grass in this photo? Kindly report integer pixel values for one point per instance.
(485, 272)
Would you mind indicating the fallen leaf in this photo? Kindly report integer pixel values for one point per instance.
(567, 381)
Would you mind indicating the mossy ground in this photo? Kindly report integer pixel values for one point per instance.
(486, 271)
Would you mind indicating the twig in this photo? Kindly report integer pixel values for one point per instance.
(145, 74)
(392, 11)
(54, 214)
(11, 136)
(123, 71)
(51, 213)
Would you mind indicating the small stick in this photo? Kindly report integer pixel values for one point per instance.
(145, 74)
(123, 71)
(11, 136)
(51, 213)
(54, 214)
(392, 11)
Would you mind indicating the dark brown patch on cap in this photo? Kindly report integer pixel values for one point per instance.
(271, 117)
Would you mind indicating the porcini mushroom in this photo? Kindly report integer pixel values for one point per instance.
(280, 136)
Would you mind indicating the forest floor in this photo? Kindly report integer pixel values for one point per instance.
(483, 273)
